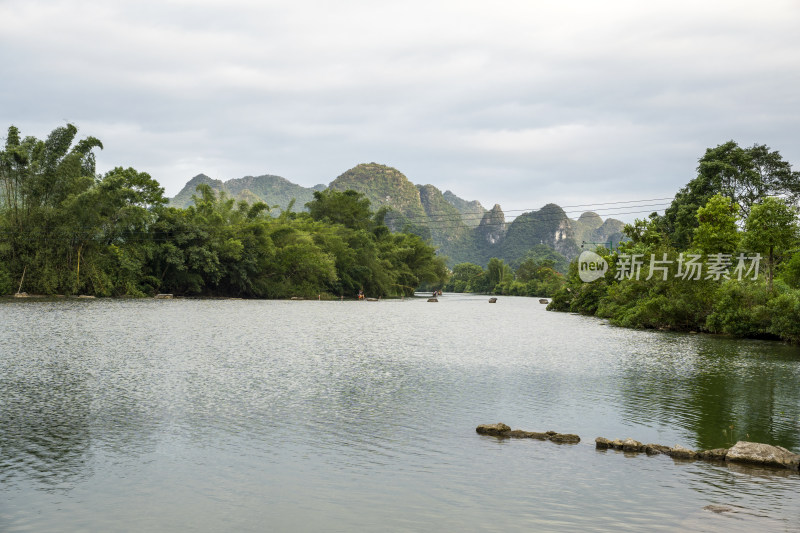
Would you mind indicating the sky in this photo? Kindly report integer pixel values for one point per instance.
(583, 103)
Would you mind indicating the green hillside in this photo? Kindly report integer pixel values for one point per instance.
(461, 230)
(273, 190)
(383, 186)
(471, 212)
(549, 225)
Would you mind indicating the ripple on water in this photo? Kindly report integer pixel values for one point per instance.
(309, 414)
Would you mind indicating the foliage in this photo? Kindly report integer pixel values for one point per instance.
(717, 230)
(740, 309)
(771, 228)
(466, 277)
(73, 232)
(784, 311)
(791, 271)
(733, 304)
(745, 175)
(348, 208)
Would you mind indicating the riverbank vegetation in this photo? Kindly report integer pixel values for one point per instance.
(66, 230)
(724, 258)
(539, 273)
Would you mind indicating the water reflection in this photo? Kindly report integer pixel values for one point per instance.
(45, 421)
(721, 390)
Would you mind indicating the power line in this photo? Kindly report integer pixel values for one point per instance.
(526, 221)
(530, 210)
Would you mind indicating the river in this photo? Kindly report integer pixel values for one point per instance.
(240, 415)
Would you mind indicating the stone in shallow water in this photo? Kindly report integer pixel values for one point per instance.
(655, 449)
(565, 438)
(717, 454)
(763, 454)
(520, 434)
(498, 430)
(602, 443)
(719, 509)
(679, 452)
(630, 445)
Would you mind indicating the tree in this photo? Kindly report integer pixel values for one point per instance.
(498, 271)
(717, 231)
(771, 227)
(465, 278)
(348, 208)
(745, 175)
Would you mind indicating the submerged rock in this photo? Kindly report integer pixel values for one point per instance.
(497, 430)
(602, 443)
(520, 434)
(655, 449)
(492, 300)
(717, 454)
(719, 509)
(565, 438)
(543, 301)
(630, 445)
(679, 452)
(763, 454)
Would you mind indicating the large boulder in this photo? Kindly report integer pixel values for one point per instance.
(763, 454)
(497, 430)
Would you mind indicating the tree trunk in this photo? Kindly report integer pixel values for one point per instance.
(78, 273)
(770, 268)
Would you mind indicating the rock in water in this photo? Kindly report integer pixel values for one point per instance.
(655, 449)
(497, 430)
(679, 452)
(565, 438)
(520, 434)
(717, 454)
(602, 443)
(763, 454)
(630, 445)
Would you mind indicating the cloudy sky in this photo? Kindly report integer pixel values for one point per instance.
(511, 102)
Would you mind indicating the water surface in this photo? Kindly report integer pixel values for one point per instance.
(213, 415)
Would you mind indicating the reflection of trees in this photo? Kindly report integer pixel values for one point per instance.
(722, 390)
(44, 425)
(62, 395)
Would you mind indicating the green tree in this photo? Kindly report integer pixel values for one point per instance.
(498, 271)
(745, 175)
(465, 278)
(348, 208)
(771, 228)
(717, 230)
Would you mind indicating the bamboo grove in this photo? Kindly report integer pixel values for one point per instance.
(64, 229)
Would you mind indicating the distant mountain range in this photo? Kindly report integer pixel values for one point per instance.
(462, 230)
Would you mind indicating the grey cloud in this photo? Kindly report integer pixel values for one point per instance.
(519, 103)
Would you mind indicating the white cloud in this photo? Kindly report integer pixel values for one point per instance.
(572, 101)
